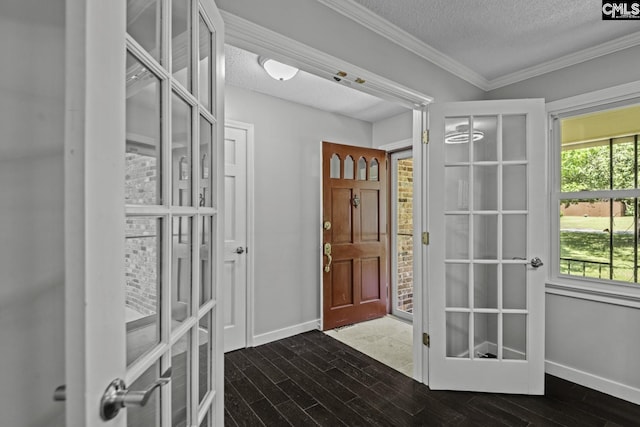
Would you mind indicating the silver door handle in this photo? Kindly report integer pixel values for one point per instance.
(240, 250)
(116, 396)
(536, 262)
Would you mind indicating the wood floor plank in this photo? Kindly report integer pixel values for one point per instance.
(295, 415)
(265, 385)
(238, 408)
(268, 414)
(265, 366)
(297, 394)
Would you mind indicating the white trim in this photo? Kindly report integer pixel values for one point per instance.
(250, 36)
(386, 29)
(604, 96)
(420, 267)
(250, 232)
(619, 390)
(405, 144)
(567, 60)
(285, 332)
(594, 294)
(391, 32)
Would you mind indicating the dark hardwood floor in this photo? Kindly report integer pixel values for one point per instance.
(312, 379)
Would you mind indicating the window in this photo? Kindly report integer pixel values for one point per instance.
(597, 195)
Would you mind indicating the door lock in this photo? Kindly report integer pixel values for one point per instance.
(327, 252)
(239, 250)
(536, 262)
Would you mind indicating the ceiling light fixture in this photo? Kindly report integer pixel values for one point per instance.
(277, 70)
(461, 135)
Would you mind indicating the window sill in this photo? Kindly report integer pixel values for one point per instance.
(622, 295)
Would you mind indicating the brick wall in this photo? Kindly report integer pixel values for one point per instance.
(405, 235)
(142, 242)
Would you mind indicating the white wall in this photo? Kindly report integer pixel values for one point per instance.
(31, 212)
(287, 201)
(393, 129)
(312, 23)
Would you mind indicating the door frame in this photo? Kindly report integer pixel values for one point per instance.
(250, 227)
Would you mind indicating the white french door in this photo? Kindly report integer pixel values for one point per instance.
(235, 238)
(487, 230)
(143, 213)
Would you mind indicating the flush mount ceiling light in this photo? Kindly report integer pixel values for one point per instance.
(461, 135)
(277, 70)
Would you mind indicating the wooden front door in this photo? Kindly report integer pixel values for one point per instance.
(354, 234)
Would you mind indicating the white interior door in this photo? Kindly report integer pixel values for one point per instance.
(487, 227)
(235, 238)
(143, 191)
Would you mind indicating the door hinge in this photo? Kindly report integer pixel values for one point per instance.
(425, 136)
(426, 339)
(425, 238)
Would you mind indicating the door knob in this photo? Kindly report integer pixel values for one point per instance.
(116, 396)
(536, 262)
(240, 250)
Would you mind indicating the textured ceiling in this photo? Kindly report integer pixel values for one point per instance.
(495, 38)
(243, 70)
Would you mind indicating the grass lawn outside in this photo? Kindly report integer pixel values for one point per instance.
(585, 247)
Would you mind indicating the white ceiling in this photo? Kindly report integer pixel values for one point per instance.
(490, 43)
(243, 70)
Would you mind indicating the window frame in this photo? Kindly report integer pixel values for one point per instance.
(603, 290)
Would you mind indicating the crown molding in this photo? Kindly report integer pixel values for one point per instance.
(584, 55)
(381, 26)
(247, 35)
(386, 29)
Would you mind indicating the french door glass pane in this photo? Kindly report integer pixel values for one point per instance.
(514, 225)
(485, 237)
(148, 415)
(457, 232)
(143, 24)
(143, 154)
(514, 187)
(143, 241)
(485, 188)
(457, 285)
(205, 45)
(181, 151)
(457, 334)
(485, 137)
(456, 180)
(485, 284)
(485, 338)
(514, 336)
(456, 133)
(204, 356)
(206, 252)
(181, 41)
(514, 137)
(181, 380)
(181, 270)
(206, 159)
(514, 286)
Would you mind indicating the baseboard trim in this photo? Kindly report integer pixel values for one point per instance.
(285, 332)
(595, 382)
